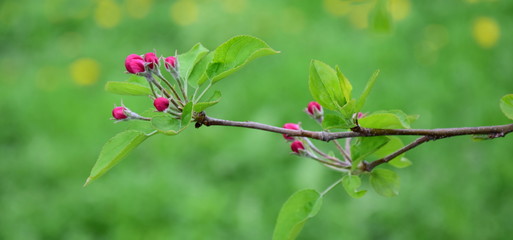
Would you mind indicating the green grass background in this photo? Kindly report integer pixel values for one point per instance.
(229, 183)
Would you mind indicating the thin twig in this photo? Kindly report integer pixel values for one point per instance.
(313, 147)
(402, 150)
(342, 151)
(331, 187)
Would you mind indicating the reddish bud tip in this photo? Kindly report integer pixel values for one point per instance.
(292, 126)
(312, 107)
(170, 62)
(134, 64)
(296, 146)
(360, 115)
(161, 104)
(152, 59)
(119, 113)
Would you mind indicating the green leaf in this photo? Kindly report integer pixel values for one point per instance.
(211, 101)
(189, 59)
(392, 146)
(127, 88)
(400, 162)
(346, 86)
(301, 206)
(351, 184)
(166, 124)
(392, 119)
(234, 54)
(380, 18)
(169, 125)
(186, 115)
(507, 105)
(145, 126)
(332, 121)
(363, 147)
(325, 86)
(385, 182)
(114, 151)
(348, 110)
(137, 79)
(198, 75)
(366, 91)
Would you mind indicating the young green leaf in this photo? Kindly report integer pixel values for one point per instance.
(188, 60)
(325, 86)
(332, 121)
(386, 119)
(114, 151)
(385, 182)
(137, 79)
(366, 91)
(351, 184)
(166, 124)
(363, 147)
(234, 54)
(186, 115)
(211, 101)
(346, 86)
(400, 162)
(301, 206)
(393, 145)
(127, 88)
(507, 105)
(198, 74)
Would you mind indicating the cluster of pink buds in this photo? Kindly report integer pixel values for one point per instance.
(302, 146)
(137, 64)
(165, 97)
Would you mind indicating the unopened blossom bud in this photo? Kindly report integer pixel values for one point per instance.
(170, 62)
(291, 126)
(313, 107)
(134, 64)
(297, 146)
(161, 103)
(119, 113)
(151, 59)
(360, 115)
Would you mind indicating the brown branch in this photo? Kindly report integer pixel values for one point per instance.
(393, 155)
(358, 131)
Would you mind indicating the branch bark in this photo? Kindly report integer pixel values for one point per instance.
(358, 131)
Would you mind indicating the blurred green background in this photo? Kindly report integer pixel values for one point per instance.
(449, 61)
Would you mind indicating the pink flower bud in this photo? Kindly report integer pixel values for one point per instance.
(161, 104)
(134, 64)
(151, 59)
(119, 113)
(296, 146)
(292, 126)
(313, 107)
(360, 115)
(170, 62)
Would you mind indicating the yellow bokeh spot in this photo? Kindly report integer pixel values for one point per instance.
(486, 32)
(107, 14)
(399, 9)
(138, 8)
(184, 12)
(337, 8)
(359, 14)
(234, 6)
(85, 71)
